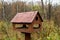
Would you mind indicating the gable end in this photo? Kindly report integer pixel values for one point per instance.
(40, 16)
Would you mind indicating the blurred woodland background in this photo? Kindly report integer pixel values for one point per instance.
(49, 12)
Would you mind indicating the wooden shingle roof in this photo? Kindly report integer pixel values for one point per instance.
(25, 17)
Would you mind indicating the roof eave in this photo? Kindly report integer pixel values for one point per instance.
(21, 22)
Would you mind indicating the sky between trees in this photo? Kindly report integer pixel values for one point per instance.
(53, 1)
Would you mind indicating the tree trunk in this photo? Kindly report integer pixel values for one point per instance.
(43, 8)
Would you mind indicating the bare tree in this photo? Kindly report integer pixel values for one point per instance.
(43, 8)
(49, 10)
(17, 6)
(3, 15)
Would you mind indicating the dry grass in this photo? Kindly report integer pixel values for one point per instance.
(50, 31)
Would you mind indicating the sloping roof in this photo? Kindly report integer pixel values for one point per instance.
(24, 17)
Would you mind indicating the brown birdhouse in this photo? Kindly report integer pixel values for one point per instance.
(27, 22)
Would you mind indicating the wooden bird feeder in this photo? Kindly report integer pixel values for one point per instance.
(27, 22)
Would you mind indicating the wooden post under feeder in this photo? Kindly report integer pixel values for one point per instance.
(27, 36)
(27, 23)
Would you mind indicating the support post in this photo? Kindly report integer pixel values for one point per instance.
(27, 36)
